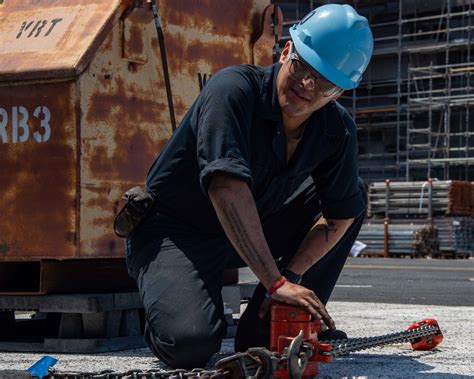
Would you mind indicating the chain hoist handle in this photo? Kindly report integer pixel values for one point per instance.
(256, 362)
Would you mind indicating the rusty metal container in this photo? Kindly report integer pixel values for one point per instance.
(84, 110)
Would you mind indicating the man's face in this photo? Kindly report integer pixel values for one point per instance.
(298, 98)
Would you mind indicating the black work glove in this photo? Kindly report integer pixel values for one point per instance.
(138, 206)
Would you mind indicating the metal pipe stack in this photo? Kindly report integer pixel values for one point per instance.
(455, 234)
(400, 238)
(412, 198)
(431, 218)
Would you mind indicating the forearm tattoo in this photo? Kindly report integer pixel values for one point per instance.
(328, 226)
(245, 244)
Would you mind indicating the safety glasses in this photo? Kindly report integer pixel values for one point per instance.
(299, 71)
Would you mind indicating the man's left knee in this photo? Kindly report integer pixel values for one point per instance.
(185, 345)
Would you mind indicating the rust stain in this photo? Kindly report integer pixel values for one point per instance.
(180, 108)
(155, 45)
(107, 44)
(102, 221)
(94, 189)
(131, 161)
(219, 17)
(136, 45)
(127, 104)
(137, 156)
(182, 51)
(38, 179)
(99, 162)
(135, 34)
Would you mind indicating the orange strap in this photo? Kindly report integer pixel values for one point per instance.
(278, 283)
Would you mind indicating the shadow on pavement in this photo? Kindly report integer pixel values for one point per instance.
(382, 366)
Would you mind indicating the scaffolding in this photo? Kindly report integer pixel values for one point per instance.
(439, 140)
(442, 93)
(413, 107)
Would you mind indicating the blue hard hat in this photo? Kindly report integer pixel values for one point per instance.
(336, 41)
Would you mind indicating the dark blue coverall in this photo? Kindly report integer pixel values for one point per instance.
(178, 255)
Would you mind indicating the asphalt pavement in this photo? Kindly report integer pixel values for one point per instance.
(373, 297)
(407, 281)
(402, 281)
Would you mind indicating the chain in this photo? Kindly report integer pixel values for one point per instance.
(343, 347)
(249, 364)
(139, 374)
(254, 363)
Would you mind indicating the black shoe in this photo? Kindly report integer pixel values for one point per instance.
(331, 335)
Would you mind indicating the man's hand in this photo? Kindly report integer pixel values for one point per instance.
(301, 296)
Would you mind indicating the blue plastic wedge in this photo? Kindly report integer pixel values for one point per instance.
(41, 367)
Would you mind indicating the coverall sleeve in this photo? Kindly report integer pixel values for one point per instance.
(224, 121)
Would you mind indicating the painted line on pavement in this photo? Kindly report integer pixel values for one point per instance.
(354, 285)
(411, 268)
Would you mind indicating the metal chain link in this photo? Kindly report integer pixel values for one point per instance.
(339, 347)
(139, 374)
(343, 347)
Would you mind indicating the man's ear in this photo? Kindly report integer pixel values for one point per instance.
(285, 52)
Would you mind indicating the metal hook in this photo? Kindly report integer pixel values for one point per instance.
(296, 362)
